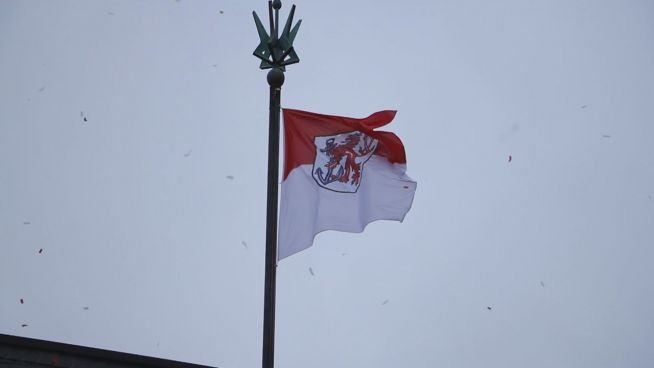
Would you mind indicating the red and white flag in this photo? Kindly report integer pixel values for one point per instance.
(339, 174)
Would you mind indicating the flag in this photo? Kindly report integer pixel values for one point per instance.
(339, 174)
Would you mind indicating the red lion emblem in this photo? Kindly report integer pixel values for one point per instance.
(344, 155)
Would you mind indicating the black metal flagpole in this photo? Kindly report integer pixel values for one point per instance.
(275, 80)
(275, 51)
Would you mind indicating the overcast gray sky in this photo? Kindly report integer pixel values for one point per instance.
(151, 213)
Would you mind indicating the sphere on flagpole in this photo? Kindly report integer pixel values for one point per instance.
(275, 78)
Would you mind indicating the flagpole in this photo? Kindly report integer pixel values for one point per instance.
(275, 80)
(275, 51)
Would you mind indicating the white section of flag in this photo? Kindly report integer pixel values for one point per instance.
(385, 193)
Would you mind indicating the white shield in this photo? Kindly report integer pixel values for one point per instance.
(340, 158)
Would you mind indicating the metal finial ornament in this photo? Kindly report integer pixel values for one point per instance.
(275, 50)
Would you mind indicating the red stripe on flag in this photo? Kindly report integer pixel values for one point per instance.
(301, 127)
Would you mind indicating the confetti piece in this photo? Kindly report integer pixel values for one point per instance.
(40, 250)
(510, 158)
(244, 244)
(311, 271)
(489, 308)
(85, 120)
(229, 177)
(26, 223)
(42, 89)
(584, 106)
(187, 154)
(24, 325)
(86, 308)
(22, 301)
(542, 284)
(384, 302)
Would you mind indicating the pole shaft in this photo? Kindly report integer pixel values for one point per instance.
(268, 357)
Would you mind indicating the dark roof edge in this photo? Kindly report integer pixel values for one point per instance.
(84, 351)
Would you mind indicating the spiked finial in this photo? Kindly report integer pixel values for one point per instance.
(275, 50)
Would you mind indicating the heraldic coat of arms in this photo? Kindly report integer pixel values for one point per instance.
(339, 160)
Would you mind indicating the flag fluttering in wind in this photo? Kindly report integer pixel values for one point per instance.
(339, 174)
